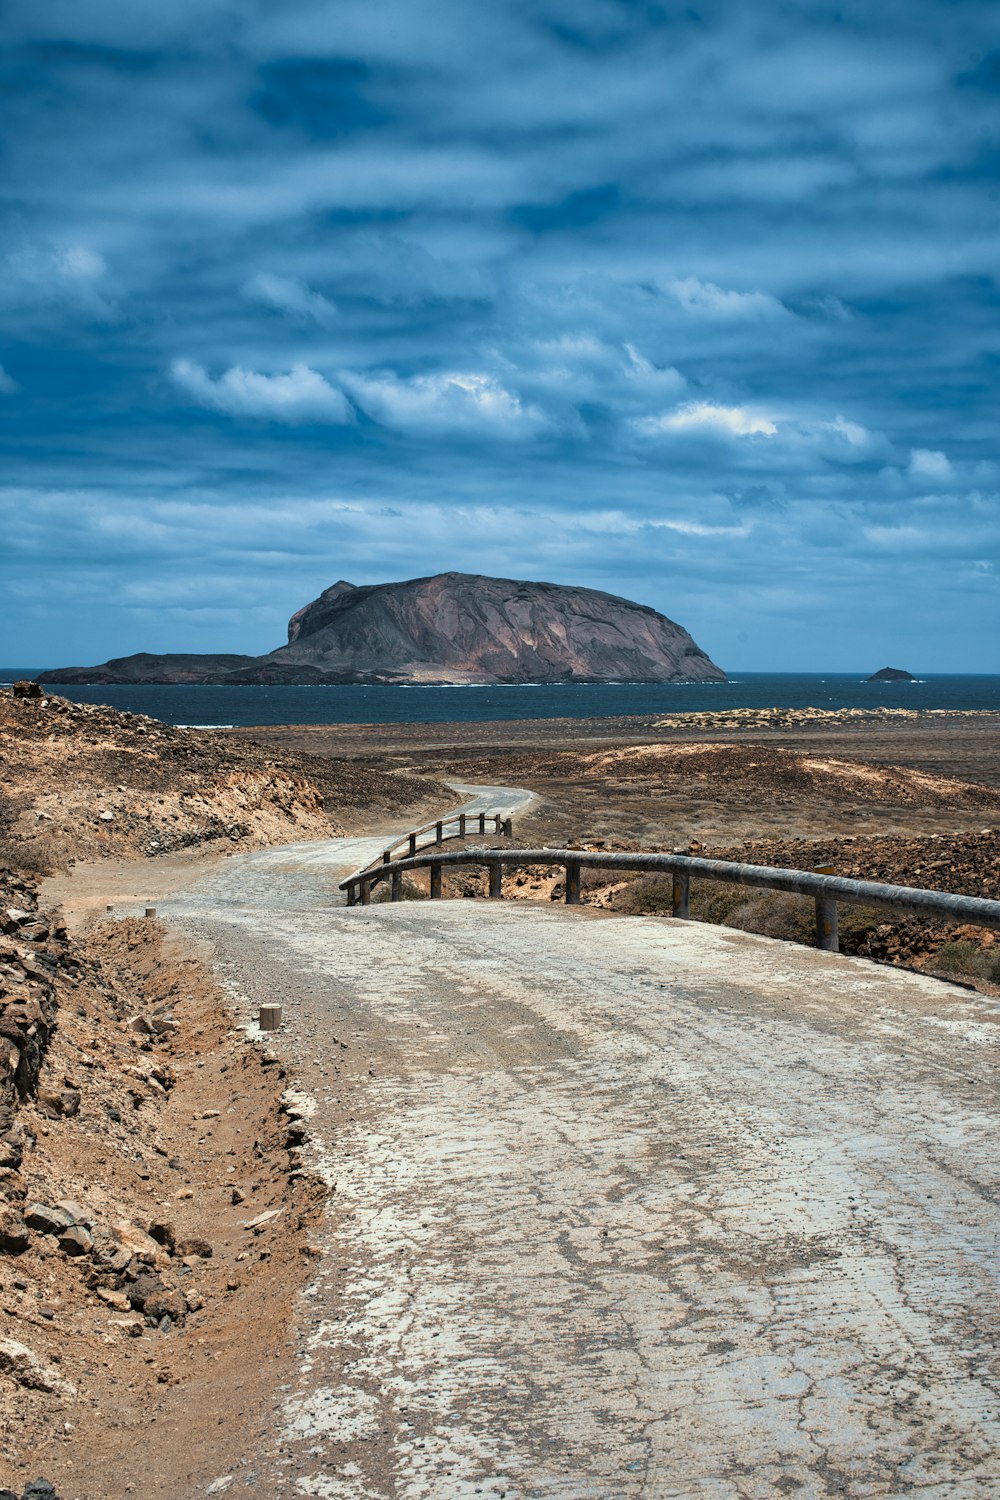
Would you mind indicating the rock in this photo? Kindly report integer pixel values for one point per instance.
(148, 1295)
(40, 1489)
(45, 1219)
(264, 1218)
(137, 1242)
(23, 1365)
(117, 1300)
(59, 1103)
(164, 1234)
(193, 1299)
(76, 1240)
(453, 627)
(77, 1213)
(14, 1236)
(194, 1245)
(11, 1150)
(27, 689)
(237, 1196)
(108, 1253)
(891, 674)
(107, 816)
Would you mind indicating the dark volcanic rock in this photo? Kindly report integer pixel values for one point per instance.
(454, 627)
(149, 667)
(891, 674)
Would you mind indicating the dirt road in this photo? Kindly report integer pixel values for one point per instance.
(623, 1207)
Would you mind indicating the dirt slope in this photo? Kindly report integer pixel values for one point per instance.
(85, 782)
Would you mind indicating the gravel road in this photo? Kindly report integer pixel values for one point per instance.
(624, 1207)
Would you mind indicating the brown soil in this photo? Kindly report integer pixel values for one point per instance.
(167, 1128)
(894, 796)
(83, 782)
(901, 798)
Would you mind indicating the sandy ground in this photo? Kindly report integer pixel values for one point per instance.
(604, 779)
(622, 1209)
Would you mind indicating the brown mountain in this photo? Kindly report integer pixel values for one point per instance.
(454, 627)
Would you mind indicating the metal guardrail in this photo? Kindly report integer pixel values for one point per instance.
(826, 890)
(459, 825)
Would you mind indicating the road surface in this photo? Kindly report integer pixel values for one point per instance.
(624, 1207)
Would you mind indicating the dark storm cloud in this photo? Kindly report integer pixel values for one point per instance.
(691, 303)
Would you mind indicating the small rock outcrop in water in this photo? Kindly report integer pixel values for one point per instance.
(891, 674)
(451, 628)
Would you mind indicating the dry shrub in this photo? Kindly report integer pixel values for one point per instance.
(411, 891)
(646, 896)
(773, 914)
(969, 959)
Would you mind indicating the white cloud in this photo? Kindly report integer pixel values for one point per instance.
(706, 300)
(929, 463)
(731, 421)
(78, 263)
(453, 401)
(286, 294)
(577, 368)
(73, 276)
(300, 396)
(648, 377)
(8, 386)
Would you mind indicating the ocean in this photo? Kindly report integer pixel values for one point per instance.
(231, 706)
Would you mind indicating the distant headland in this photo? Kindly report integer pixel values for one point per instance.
(449, 628)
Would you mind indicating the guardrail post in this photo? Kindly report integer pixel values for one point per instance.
(365, 890)
(435, 881)
(397, 885)
(386, 856)
(496, 878)
(572, 882)
(826, 925)
(681, 895)
(497, 825)
(438, 832)
(507, 827)
(482, 822)
(412, 845)
(461, 825)
(352, 895)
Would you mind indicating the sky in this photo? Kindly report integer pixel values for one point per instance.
(696, 304)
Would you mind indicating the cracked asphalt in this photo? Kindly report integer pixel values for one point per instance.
(623, 1207)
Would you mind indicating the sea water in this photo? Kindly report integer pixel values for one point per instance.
(210, 706)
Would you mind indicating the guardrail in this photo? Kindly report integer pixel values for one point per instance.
(826, 890)
(459, 824)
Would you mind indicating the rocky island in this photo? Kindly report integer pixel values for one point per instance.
(450, 628)
(891, 674)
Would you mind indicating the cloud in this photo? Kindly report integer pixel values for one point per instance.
(286, 294)
(299, 397)
(8, 386)
(71, 277)
(704, 416)
(579, 258)
(929, 463)
(705, 300)
(449, 402)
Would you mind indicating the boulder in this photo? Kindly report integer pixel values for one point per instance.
(24, 1366)
(14, 1235)
(46, 1219)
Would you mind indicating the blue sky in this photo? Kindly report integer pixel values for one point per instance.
(697, 304)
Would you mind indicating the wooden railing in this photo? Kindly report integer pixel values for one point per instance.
(826, 890)
(455, 826)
